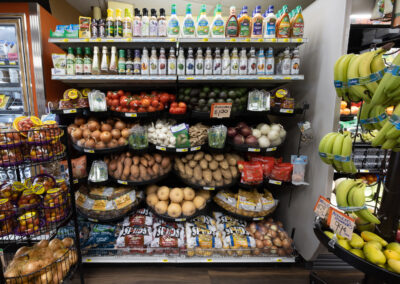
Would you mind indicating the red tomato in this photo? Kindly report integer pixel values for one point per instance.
(160, 106)
(154, 103)
(151, 109)
(181, 110)
(132, 109)
(114, 95)
(164, 98)
(118, 108)
(173, 105)
(124, 109)
(145, 102)
(109, 94)
(120, 93)
(182, 104)
(115, 102)
(112, 108)
(141, 109)
(153, 93)
(134, 103)
(124, 101)
(173, 110)
(128, 94)
(172, 98)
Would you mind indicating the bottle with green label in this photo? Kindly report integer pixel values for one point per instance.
(87, 62)
(218, 25)
(79, 61)
(203, 26)
(121, 62)
(70, 62)
(188, 28)
(232, 24)
(244, 23)
(173, 23)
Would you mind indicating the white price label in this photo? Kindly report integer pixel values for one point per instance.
(197, 148)
(122, 182)
(364, 171)
(88, 151)
(221, 110)
(130, 114)
(253, 149)
(73, 110)
(258, 218)
(161, 148)
(340, 223)
(286, 110)
(271, 149)
(181, 150)
(208, 188)
(76, 181)
(277, 182)
(322, 206)
(180, 219)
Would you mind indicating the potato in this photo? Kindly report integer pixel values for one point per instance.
(118, 172)
(188, 171)
(165, 163)
(184, 160)
(189, 156)
(213, 165)
(192, 163)
(112, 166)
(135, 171)
(203, 164)
(208, 157)
(127, 162)
(219, 157)
(161, 207)
(156, 169)
(217, 175)
(174, 210)
(147, 156)
(231, 160)
(150, 172)
(157, 157)
(226, 174)
(136, 160)
(227, 181)
(180, 165)
(199, 202)
(188, 193)
(207, 175)
(124, 177)
(143, 161)
(197, 173)
(234, 171)
(176, 195)
(143, 172)
(163, 193)
(188, 208)
(127, 171)
(152, 199)
(198, 156)
(152, 161)
(151, 189)
(219, 183)
(224, 165)
(202, 182)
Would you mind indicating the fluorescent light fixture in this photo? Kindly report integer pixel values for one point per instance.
(360, 16)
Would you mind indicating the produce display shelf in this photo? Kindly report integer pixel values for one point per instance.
(240, 79)
(242, 217)
(8, 112)
(10, 85)
(10, 65)
(267, 182)
(138, 183)
(250, 149)
(155, 114)
(31, 163)
(286, 41)
(363, 265)
(348, 117)
(198, 186)
(71, 111)
(184, 259)
(80, 180)
(64, 43)
(177, 150)
(99, 151)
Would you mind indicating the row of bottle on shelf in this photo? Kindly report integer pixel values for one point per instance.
(284, 24)
(139, 62)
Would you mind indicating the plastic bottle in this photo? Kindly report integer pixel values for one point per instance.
(153, 29)
(118, 24)
(127, 24)
(87, 62)
(188, 28)
(162, 62)
(96, 61)
(110, 24)
(243, 62)
(283, 29)
(269, 23)
(190, 62)
(278, 63)
(203, 26)
(137, 63)
(145, 23)
(153, 62)
(298, 24)
(217, 64)
(129, 62)
(208, 62)
(244, 23)
(295, 64)
(232, 24)
(102, 28)
(286, 62)
(270, 62)
(260, 62)
(235, 62)
(218, 25)
(162, 24)
(252, 62)
(145, 70)
(181, 64)
(172, 62)
(121, 62)
(137, 24)
(173, 23)
(104, 61)
(70, 62)
(113, 61)
(94, 27)
(257, 24)
(226, 62)
(199, 62)
(78, 61)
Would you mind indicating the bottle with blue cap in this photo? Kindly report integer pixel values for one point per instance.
(257, 24)
(244, 23)
(270, 23)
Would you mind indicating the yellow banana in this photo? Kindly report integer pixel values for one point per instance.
(343, 189)
(329, 146)
(321, 147)
(336, 72)
(342, 75)
(353, 73)
(337, 150)
(364, 69)
(347, 149)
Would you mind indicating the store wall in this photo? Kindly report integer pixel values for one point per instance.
(326, 27)
(64, 12)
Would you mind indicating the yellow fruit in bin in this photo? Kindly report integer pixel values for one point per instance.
(394, 265)
(391, 254)
(345, 244)
(394, 246)
(373, 254)
(376, 244)
(329, 234)
(356, 241)
(340, 237)
(387, 267)
(358, 253)
(369, 236)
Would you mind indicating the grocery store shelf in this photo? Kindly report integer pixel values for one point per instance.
(8, 112)
(183, 259)
(9, 65)
(241, 79)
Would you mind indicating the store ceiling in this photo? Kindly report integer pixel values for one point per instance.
(85, 6)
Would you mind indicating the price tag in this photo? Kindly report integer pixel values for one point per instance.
(164, 260)
(88, 260)
(287, 78)
(247, 40)
(180, 150)
(273, 40)
(13, 63)
(233, 40)
(98, 39)
(130, 114)
(286, 110)
(364, 171)
(258, 218)
(73, 110)
(122, 182)
(2, 63)
(208, 188)
(88, 151)
(209, 260)
(76, 181)
(128, 39)
(172, 39)
(277, 182)
(180, 219)
(65, 40)
(189, 78)
(161, 148)
(260, 40)
(197, 148)
(221, 110)
(204, 39)
(86, 40)
(285, 40)
(279, 260)
(253, 149)
(322, 206)
(340, 223)
(271, 149)
(110, 40)
(93, 220)
(299, 40)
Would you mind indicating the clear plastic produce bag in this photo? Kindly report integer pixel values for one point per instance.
(217, 136)
(307, 134)
(97, 101)
(138, 138)
(98, 171)
(299, 169)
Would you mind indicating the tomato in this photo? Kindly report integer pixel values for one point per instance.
(118, 108)
(173, 110)
(134, 103)
(128, 94)
(141, 109)
(112, 108)
(182, 104)
(115, 102)
(160, 106)
(124, 101)
(109, 94)
(164, 98)
(172, 98)
(151, 109)
(153, 93)
(173, 105)
(145, 102)
(108, 101)
(124, 109)
(154, 103)
(132, 109)
(120, 93)
(114, 96)
(181, 110)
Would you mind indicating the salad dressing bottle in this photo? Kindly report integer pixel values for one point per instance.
(261, 62)
(190, 62)
(199, 62)
(243, 62)
(121, 62)
(270, 23)
(173, 23)
(270, 62)
(145, 62)
(137, 24)
(181, 64)
(129, 62)
(87, 62)
(127, 24)
(217, 64)
(162, 62)
(232, 24)
(203, 26)
(188, 28)
(113, 61)
(208, 62)
(162, 24)
(118, 24)
(283, 29)
(110, 24)
(153, 61)
(137, 63)
(145, 23)
(104, 61)
(295, 64)
(286, 62)
(218, 25)
(235, 62)
(226, 62)
(172, 62)
(78, 61)
(96, 61)
(153, 29)
(244, 23)
(70, 62)
(252, 62)
(298, 24)
(257, 23)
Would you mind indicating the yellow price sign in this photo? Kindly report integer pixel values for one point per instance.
(130, 114)
(204, 39)
(164, 260)
(98, 39)
(122, 182)
(88, 151)
(260, 40)
(86, 40)
(128, 39)
(233, 40)
(285, 40)
(172, 39)
(287, 78)
(299, 40)
(161, 148)
(273, 40)
(110, 40)
(279, 260)
(88, 260)
(65, 40)
(209, 260)
(189, 78)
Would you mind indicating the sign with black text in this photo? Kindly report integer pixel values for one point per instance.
(340, 223)
(221, 110)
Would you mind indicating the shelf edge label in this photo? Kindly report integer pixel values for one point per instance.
(277, 182)
(122, 182)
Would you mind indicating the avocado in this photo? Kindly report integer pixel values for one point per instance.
(206, 89)
(212, 95)
(229, 100)
(220, 101)
(197, 108)
(223, 95)
(195, 92)
(231, 94)
(187, 91)
(243, 100)
(193, 101)
(210, 102)
(216, 90)
(186, 99)
(203, 95)
(238, 101)
(202, 102)
(205, 108)
(234, 109)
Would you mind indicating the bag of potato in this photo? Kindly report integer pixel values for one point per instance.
(249, 203)
(224, 221)
(142, 217)
(168, 236)
(202, 239)
(137, 238)
(237, 240)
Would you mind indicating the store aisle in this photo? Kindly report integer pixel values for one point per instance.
(143, 274)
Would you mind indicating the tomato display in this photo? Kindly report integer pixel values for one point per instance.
(177, 108)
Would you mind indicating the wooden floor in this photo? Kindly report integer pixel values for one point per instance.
(201, 274)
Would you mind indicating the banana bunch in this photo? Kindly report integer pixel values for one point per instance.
(389, 136)
(332, 147)
(350, 67)
(369, 111)
(350, 193)
(388, 91)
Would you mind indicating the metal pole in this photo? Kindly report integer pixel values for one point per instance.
(389, 212)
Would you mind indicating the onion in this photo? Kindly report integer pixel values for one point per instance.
(89, 143)
(245, 131)
(273, 135)
(120, 125)
(281, 252)
(106, 136)
(259, 244)
(265, 129)
(276, 127)
(72, 127)
(113, 143)
(81, 142)
(274, 250)
(251, 140)
(125, 133)
(267, 243)
(105, 127)
(116, 133)
(83, 126)
(253, 227)
(79, 121)
(276, 142)
(76, 134)
(238, 139)
(264, 142)
(68, 242)
(240, 125)
(96, 135)
(122, 141)
(231, 132)
(279, 224)
(257, 235)
(100, 145)
(86, 133)
(286, 244)
(282, 133)
(256, 133)
(93, 125)
(110, 121)
(277, 242)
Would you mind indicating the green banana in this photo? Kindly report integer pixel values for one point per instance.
(358, 200)
(389, 144)
(321, 147)
(342, 191)
(380, 138)
(378, 63)
(364, 68)
(347, 150)
(329, 146)
(352, 73)
(342, 76)
(336, 72)
(350, 195)
(394, 81)
(364, 114)
(337, 150)
(358, 197)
